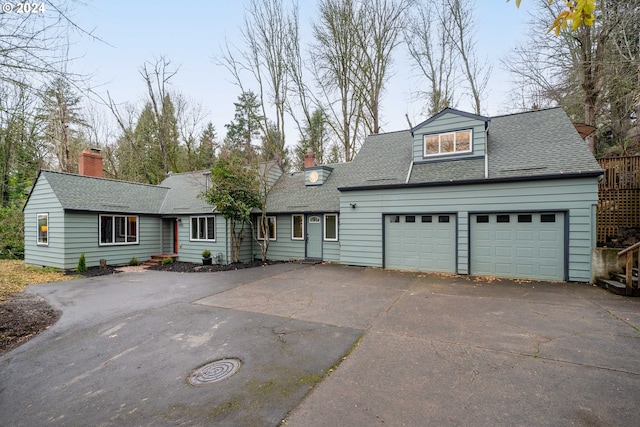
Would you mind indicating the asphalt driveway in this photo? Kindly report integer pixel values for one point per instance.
(327, 345)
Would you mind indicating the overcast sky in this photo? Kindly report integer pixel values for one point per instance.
(191, 33)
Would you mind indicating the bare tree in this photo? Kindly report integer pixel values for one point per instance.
(583, 69)
(336, 57)
(440, 43)
(264, 58)
(460, 33)
(380, 24)
(156, 76)
(433, 56)
(190, 117)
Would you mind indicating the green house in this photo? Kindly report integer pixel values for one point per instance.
(508, 196)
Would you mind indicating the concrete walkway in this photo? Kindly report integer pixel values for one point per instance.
(410, 350)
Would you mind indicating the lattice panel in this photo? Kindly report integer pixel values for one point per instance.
(618, 197)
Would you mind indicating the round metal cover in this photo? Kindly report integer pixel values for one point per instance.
(215, 371)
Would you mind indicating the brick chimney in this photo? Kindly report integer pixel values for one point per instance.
(91, 163)
(309, 160)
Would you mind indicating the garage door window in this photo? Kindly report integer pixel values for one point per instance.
(410, 218)
(482, 219)
(394, 218)
(443, 218)
(548, 218)
(502, 218)
(427, 218)
(524, 218)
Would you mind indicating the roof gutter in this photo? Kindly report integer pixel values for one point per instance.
(587, 174)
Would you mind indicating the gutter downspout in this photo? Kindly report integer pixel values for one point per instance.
(486, 153)
(409, 173)
(226, 241)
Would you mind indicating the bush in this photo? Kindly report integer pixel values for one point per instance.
(166, 261)
(134, 261)
(206, 253)
(82, 264)
(11, 233)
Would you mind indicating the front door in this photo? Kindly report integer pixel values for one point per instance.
(175, 236)
(314, 236)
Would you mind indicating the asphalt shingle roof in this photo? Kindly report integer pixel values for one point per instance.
(184, 192)
(77, 192)
(541, 142)
(533, 144)
(290, 194)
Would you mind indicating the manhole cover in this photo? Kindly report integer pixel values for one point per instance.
(215, 371)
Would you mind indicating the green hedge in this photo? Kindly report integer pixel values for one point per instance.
(11, 233)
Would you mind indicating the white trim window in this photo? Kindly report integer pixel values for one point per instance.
(331, 227)
(203, 228)
(272, 228)
(448, 143)
(297, 227)
(43, 229)
(119, 230)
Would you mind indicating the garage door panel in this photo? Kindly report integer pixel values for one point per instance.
(503, 235)
(421, 246)
(520, 245)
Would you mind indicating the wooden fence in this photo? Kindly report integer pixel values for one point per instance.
(618, 197)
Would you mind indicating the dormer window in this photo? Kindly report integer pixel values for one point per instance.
(447, 143)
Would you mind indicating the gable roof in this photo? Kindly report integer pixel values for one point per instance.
(85, 193)
(290, 194)
(183, 196)
(533, 145)
(452, 111)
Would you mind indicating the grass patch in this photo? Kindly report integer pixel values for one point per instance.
(15, 277)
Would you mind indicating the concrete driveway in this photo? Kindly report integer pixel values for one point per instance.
(326, 345)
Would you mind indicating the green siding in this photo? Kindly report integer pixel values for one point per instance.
(82, 236)
(43, 200)
(283, 248)
(191, 251)
(331, 250)
(447, 123)
(361, 228)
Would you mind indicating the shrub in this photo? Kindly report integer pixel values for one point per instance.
(11, 233)
(206, 253)
(82, 264)
(166, 261)
(134, 261)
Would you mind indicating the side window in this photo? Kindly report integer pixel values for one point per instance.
(271, 225)
(43, 229)
(331, 227)
(297, 227)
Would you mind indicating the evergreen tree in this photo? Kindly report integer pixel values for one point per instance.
(245, 126)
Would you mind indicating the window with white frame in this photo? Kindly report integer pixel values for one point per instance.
(118, 230)
(43, 229)
(297, 227)
(331, 227)
(203, 228)
(447, 143)
(271, 224)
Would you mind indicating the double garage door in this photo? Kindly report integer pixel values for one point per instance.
(519, 245)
